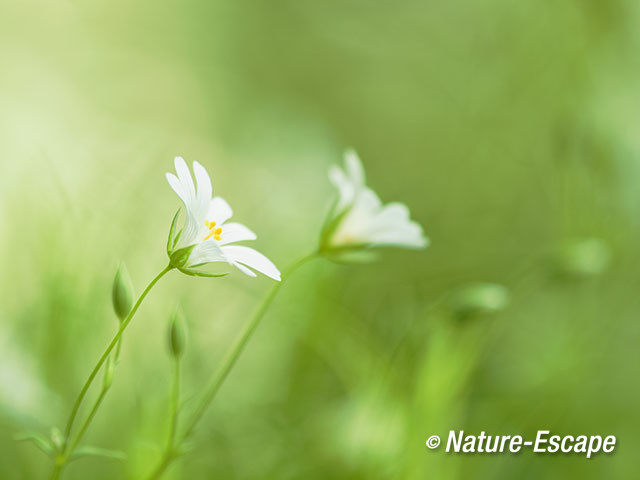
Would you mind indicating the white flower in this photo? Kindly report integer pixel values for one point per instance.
(206, 237)
(360, 220)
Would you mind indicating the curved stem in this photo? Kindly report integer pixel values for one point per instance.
(220, 374)
(230, 359)
(87, 422)
(114, 341)
(63, 457)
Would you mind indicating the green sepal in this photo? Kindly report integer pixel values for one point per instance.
(351, 256)
(170, 239)
(331, 225)
(175, 240)
(178, 258)
(197, 273)
(39, 440)
(330, 217)
(88, 451)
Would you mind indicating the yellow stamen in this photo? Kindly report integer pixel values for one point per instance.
(212, 233)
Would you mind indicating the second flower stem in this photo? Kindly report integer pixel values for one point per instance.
(230, 359)
(170, 449)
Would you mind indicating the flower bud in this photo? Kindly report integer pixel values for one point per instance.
(122, 292)
(584, 257)
(109, 370)
(478, 299)
(176, 334)
(56, 438)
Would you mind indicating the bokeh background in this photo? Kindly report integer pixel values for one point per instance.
(511, 129)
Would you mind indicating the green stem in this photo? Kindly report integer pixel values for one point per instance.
(161, 467)
(169, 451)
(87, 422)
(227, 364)
(57, 470)
(63, 457)
(175, 402)
(230, 359)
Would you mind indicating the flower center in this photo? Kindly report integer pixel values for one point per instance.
(213, 231)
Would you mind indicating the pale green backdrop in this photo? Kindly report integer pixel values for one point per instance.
(511, 129)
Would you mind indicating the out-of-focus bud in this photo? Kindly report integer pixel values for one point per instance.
(583, 257)
(122, 292)
(478, 299)
(109, 370)
(56, 438)
(177, 334)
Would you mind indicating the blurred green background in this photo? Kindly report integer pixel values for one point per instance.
(511, 129)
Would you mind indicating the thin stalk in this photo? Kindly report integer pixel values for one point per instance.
(169, 451)
(175, 403)
(221, 373)
(230, 359)
(64, 455)
(87, 422)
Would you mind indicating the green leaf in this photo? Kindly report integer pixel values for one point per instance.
(197, 273)
(88, 451)
(39, 440)
(172, 229)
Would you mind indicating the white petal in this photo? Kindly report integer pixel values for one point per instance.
(191, 230)
(175, 184)
(346, 189)
(235, 232)
(207, 252)
(204, 186)
(251, 258)
(409, 236)
(355, 170)
(244, 269)
(367, 200)
(360, 223)
(394, 213)
(185, 179)
(219, 211)
(193, 223)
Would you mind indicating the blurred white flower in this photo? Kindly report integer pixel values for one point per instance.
(206, 237)
(360, 220)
